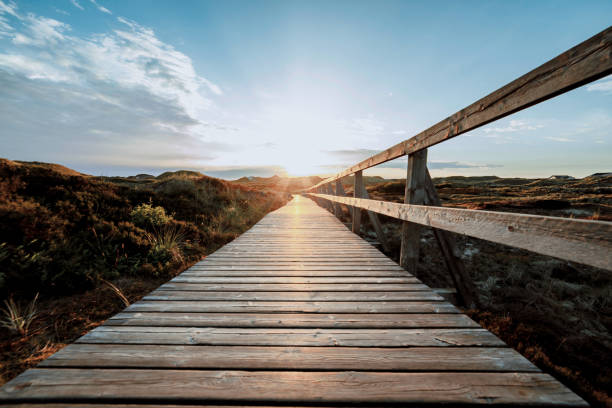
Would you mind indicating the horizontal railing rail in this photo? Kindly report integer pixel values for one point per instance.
(584, 241)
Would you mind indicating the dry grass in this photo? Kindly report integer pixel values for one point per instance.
(18, 318)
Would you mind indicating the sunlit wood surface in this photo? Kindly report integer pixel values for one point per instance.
(298, 311)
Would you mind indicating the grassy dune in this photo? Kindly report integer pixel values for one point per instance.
(87, 245)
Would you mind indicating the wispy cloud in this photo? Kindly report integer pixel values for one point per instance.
(513, 126)
(124, 94)
(369, 126)
(603, 85)
(560, 139)
(76, 4)
(9, 8)
(100, 7)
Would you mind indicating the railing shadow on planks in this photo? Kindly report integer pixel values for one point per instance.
(583, 241)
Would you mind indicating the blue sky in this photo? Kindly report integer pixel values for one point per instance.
(234, 88)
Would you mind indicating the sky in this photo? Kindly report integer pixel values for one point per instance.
(257, 88)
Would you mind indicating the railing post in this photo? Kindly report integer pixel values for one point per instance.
(414, 194)
(357, 185)
(337, 208)
(340, 192)
(466, 292)
(330, 204)
(380, 233)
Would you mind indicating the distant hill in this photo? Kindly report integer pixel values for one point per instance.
(277, 183)
(58, 168)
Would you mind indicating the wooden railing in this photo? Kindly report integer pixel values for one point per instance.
(583, 241)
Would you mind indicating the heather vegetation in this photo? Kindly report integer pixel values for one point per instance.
(62, 233)
(91, 244)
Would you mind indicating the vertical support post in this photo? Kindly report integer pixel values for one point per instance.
(357, 186)
(466, 293)
(380, 233)
(329, 204)
(337, 209)
(340, 192)
(414, 194)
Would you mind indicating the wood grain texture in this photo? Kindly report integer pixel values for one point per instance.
(291, 337)
(290, 279)
(292, 358)
(584, 241)
(357, 193)
(414, 194)
(297, 287)
(293, 320)
(284, 307)
(291, 387)
(294, 296)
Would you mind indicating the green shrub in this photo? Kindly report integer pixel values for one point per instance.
(145, 216)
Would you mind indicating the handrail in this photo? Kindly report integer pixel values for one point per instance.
(585, 241)
(584, 63)
(588, 242)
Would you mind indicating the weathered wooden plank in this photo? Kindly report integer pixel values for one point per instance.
(297, 287)
(291, 273)
(248, 255)
(414, 194)
(298, 267)
(291, 337)
(376, 224)
(282, 307)
(357, 186)
(365, 276)
(294, 296)
(584, 241)
(291, 279)
(289, 387)
(264, 260)
(292, 320)
(292, 358)
(584, 63)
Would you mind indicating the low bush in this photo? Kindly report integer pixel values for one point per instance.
(64, 233)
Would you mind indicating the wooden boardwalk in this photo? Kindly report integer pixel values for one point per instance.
(296, 311)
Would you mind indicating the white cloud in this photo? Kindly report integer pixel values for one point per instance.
(32, 68)
(559, 139)
(100, 7)
(41, 31)
(399, 132)
(9, 8)
(513, 126)
(604, 85)
(123, 94)
(76, 4)
(6, 29)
